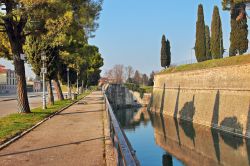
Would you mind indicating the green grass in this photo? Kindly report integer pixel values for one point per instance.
(65, 88)
(14, 124)
(74, 89)
(147, 89)
(229, 61)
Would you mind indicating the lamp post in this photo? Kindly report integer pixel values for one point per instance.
(69, 91)
(77, 83)
(44, 71)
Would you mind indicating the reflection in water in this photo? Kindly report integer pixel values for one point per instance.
(131, 118)
(148, 132)
(137, 125)
(187, 112)
(213, 147)
(167, 160)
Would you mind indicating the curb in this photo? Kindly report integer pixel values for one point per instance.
(15, 98)
(15, 138)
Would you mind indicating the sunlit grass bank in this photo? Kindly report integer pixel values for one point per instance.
(236, 60)
(14, 124)
(147, 89)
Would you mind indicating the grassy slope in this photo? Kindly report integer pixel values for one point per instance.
(147, 89)
(236, 60)
(17, 123)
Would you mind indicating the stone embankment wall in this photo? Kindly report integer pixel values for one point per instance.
(119, 96)
(142, 101)
(217, 97)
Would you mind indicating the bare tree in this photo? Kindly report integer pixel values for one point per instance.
(116, 74)
(119, 73)
(109, 74)
(129, 72)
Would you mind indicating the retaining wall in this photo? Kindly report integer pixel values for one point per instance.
(119, 96)
(217, 97)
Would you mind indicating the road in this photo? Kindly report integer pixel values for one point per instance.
(9, 107)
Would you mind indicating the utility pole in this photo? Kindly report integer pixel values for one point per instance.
(44, 71)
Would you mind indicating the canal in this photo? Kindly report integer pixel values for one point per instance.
(163, 140)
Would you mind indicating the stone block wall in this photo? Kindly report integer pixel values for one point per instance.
(119, 96)
(142, 101)
(217, 97)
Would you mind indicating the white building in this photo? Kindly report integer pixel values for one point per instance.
(7, 81)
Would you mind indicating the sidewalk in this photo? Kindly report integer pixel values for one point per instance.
(73, 137)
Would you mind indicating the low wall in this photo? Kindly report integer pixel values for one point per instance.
(217, 97)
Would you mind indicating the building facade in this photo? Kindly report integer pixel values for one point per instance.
(8, 81)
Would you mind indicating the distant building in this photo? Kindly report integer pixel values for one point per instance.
(105, 80)
(7, 81)
(34, 85)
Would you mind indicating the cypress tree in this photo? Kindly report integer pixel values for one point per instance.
(208, 51)
(168, 53)
(239, 30)
(217, 49)
(200, 43)
(164, 56)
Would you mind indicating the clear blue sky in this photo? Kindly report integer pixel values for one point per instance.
(130, 31)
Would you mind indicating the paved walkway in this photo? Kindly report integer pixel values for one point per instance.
(73, 137)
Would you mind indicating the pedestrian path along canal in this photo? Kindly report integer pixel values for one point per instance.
(164, 140)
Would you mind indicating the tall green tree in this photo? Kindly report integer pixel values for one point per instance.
(151, 79)
(208, 51)
(20, 18)
(226, 4)
(239, 30)
(217, 48)
(200, 43)
(14, 18)
(168, 53)
(48, 43)
(165, 52)
(35, 47)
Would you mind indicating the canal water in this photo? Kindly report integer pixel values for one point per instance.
(163, 140)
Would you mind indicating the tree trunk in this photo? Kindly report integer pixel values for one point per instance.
(16, 40)
(58, 89)
(14, 32)
(22, 97)
(50, 93)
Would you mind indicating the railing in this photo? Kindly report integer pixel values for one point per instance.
(124, 153)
